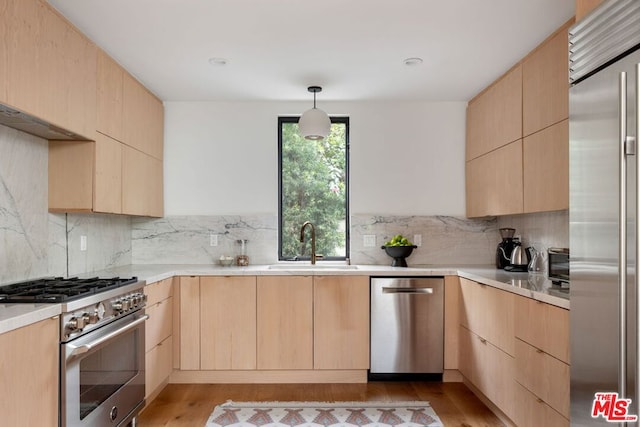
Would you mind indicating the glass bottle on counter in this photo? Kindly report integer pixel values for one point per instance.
(242, 260)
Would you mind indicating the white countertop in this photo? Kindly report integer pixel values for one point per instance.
(536, 286)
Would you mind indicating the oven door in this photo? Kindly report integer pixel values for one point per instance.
(102, 376)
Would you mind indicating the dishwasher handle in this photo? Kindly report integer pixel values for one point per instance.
(391, 290)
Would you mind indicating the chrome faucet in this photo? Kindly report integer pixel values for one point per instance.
(313, 241)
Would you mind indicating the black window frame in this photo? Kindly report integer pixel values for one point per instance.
(334, 119)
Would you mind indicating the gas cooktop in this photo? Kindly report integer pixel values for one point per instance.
(59, 289)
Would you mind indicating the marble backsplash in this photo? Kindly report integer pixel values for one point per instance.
(35, 243)
(185, 239)
(541, 230)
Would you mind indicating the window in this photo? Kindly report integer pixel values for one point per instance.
(313, 186)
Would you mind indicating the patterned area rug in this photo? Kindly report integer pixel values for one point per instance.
(315, 414)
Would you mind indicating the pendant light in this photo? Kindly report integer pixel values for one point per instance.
(314, 124)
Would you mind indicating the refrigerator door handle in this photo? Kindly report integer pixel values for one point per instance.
(622, 236)
(637, 260)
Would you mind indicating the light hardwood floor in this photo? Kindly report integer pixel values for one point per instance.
(189, 405)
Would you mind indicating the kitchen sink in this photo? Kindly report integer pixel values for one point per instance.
(306, 266)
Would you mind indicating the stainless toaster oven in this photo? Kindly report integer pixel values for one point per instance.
(558, 271)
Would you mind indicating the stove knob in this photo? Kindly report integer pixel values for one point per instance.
(86, 319)
(126, 304)
(93, 318)
(117, 306)
(72, 324)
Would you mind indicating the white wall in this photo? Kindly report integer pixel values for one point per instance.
(407, 158)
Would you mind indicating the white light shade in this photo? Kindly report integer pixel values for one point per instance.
(314, 124)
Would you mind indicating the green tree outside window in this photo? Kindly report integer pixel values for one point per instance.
(313, 187)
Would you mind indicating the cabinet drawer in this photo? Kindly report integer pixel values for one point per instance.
(544, 326)
(158, 365)
(488, 312)
(544, 375)
(160, 323)
(489, 369)
(533, 412)
(158, 291)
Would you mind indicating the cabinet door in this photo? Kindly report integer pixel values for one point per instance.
(25, 72)
(546, 169)
(4, 49)
(159, 291)
(71, 176)
(107, 191)
(489, 313)
(494, 117)
(451, 321)
(141, 183)
(285, 322)
(68, 61)
(29, 368)
(157, 366)
(544, 375)
(494, 182)
(341, 322)
(549, 332)
(158, 326)
(228, 322)
(189, 323)
(583, 7)
(530, 411)
(109, 97)
(143, 118)
(545, 85)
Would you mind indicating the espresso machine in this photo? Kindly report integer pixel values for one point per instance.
(506, 247)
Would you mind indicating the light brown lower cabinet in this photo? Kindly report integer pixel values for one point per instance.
(285, 322)
(158, 335)
(29, 366)
(341, 322)
(189, 343)
(534, 412)
(489, 369)
(544, 375)
(158, 365)
(228, 322)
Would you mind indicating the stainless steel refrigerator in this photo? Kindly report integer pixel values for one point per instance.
(603, 124)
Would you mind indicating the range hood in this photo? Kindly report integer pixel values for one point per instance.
(26, 123)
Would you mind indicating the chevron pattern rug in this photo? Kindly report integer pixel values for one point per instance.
(323, 414)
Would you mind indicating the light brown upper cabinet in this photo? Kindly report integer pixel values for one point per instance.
(143, 117)
(494, 117)
(545, 83)
(4, 49)
(51, 67)
(494, 182)
(504, 177)
(142, 183)
(583, 7)
(546, 169)
(110, 78)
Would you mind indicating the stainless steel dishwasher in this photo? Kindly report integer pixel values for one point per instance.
(407, 326)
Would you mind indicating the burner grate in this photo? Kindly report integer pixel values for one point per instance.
(59, 289)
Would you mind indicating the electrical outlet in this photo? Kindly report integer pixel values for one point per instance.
(213, 239)
(417, 239)
(83, 243)
(369, 240)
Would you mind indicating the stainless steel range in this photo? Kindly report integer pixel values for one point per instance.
(102, 345)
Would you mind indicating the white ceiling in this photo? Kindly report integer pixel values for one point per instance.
(353, 48)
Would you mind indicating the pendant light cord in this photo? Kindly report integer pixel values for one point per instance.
(314, 99)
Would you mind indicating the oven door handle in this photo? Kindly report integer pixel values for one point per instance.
(84, 348)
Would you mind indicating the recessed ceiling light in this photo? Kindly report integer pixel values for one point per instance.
(218, 61)
(411, 62)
